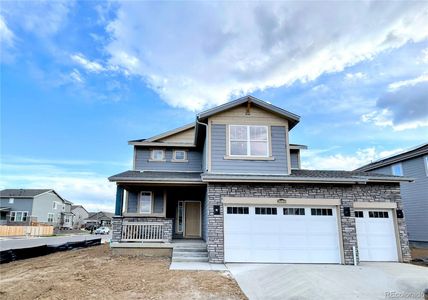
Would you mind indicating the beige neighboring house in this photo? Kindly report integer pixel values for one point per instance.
(80, 214)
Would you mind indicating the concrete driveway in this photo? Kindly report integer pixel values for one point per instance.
(366, 281)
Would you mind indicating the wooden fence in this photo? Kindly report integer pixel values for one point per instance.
(26, 230)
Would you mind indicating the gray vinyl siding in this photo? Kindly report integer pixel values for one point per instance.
(132, 202)
(415, 197)
(294, 159)
(19, 204)
(142, 161)
(220, 165)
(158, 202)
(204, 157)
(43, 205)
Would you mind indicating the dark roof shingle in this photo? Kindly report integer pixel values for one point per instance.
(23, 192)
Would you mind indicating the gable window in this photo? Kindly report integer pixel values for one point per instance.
(11, 200)
(158, 155)
(179, 155)
(55, 205)
(18, 216)
(50, 217)
(145, 202)
(248, 140)
(397, 169)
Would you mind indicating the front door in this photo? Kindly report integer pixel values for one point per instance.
(192, 219)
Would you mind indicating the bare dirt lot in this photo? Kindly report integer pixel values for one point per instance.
(94, 273)
(418, 254)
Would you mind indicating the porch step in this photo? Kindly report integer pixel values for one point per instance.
(190, 252)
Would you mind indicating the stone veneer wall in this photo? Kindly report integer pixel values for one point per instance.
(347, 193)
(117, 226)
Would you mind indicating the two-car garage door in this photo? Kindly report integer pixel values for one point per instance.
(281, 234)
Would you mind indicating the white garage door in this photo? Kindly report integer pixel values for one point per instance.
(281, 234)
(376, 235)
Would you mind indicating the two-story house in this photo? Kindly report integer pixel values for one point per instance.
(80, 214)
(412, 163)
(27, 206)
(233, 179)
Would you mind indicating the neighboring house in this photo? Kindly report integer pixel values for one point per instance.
(412, 163)
(80, 215)
(233, 179)
(26, 206)
(100, 218)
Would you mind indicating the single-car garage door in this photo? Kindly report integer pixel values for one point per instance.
(281, 234)
(376, 235)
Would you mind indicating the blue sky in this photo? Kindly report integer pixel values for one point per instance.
(80, 79)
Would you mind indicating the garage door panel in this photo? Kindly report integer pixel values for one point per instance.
(376, 237)
(281, 238)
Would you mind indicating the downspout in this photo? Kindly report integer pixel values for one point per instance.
(206, 137)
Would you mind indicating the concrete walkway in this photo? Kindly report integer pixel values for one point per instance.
(18, 243)
(366, 281)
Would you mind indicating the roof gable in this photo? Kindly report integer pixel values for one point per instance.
(22, 193)
(292, 119)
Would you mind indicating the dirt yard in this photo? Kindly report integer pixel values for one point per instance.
(418, 254)
(93, 273)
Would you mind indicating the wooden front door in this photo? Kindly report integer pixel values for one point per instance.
(192, 219)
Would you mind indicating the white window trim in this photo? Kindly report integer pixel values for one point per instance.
(140, 195)
(53, 217)
(401, 169)
(11, 200)
(174, 159)
(248, 140)
(22, 215)
(152, 158)
(55, 205)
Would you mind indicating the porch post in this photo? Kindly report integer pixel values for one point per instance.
(119, 201)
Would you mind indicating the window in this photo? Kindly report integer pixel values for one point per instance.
(18, 216)
(146, 202)
(248, 140)
(180, 217)
(426, 165)
(378, 214)
(397, 170)
(237, 210)
(179, 155)
(55, 205)
(66, 219)
(11, 200)
(359, 214)
(321, 211)
(265, 210)
(50, 217)
(294, 211)
(158, 155)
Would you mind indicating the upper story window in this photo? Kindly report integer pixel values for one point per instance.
(179, 155)
(248, 140)
(11, 200)
(397, 169)
(55, 205)
(158, 155)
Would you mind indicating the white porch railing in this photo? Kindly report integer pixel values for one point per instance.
(142, 232)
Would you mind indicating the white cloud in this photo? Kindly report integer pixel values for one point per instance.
(75, 76)
(405, 106)
(318, 159)
(355, 76)
(408, 82)
(200, 54)
(7, 37)
(43, 18)
(424, 56)
(88, 65)
(68, 177)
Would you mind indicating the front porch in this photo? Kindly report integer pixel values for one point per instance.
(148, 216)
